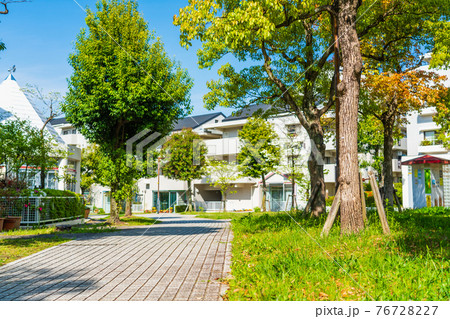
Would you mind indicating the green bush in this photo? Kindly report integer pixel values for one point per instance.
(367, 187)
(329, 200)
(399, 189)
(101, 211)
(180, 208)
(257, 209)
(431, 211)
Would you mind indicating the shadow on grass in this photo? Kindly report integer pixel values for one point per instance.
(422, 234)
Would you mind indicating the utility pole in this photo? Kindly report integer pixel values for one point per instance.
(158, 205)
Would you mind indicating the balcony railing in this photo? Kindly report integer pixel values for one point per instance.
(431, 142)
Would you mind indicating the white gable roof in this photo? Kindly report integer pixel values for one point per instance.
(13, 102)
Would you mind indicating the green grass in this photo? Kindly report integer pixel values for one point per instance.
(273, 259)
(227, 215)
(138, 221)
(84, 228)
(13, 249)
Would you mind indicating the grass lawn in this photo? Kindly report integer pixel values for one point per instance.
(15, 248)
(274, 259)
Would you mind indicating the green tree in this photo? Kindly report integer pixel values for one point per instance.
(370, 141)
(286, 44)
(90, 159)
(223, 175)
(23, 145)
(123, 83)
(392, 52)
(289, 44)
(259, 153)
(185, 159)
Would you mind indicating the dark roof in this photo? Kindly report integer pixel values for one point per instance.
(248, 111)
(187, 122)
(195, 121)
(61, 120)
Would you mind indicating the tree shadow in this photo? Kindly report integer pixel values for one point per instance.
(423, 234)
(23, 282)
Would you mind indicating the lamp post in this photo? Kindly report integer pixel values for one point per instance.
(158, 205)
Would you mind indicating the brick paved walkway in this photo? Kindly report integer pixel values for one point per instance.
(179, 259)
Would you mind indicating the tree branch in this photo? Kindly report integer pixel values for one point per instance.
(285, 94)
(5, 5)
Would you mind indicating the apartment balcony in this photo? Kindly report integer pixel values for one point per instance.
(401, 145)
(206, 180)
(74, 153)
(225, 146)
(431, 146)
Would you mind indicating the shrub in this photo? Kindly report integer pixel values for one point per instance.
(399, 189)
(367, 187)
(180, 208)
(257, 209)
(329, 200)
(429, 211)
(101, 211)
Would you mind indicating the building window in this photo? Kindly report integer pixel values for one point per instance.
(429, 135)
(74, 131)
(147, 186)
(65, 132)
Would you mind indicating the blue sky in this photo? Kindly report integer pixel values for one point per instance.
(39, 36)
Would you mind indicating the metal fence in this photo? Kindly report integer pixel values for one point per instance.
(33, 209)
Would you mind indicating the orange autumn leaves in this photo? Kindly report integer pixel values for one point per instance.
(406, 92)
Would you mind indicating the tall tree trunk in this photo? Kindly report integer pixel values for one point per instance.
(115, 210)
(388, 184)
(43, 176)
(128, 206)
(224, 201)
(315, 168)
(348, 93)
(189, 193)
(264, 196)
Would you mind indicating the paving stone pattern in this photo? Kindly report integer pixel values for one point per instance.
(182, 258)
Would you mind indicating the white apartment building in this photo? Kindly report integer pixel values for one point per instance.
(14, 104)
(220, 135)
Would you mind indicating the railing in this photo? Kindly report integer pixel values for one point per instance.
(277, 206)
(431, 142)
(137, 208)
(41, 210)
(210, 205)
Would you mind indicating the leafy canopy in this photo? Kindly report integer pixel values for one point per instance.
(123, 81)
(185, 156)
(259, 153)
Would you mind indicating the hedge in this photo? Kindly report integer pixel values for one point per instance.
(53, 204)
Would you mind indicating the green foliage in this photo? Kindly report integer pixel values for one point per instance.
(180, 208)
(274, 259)
(22, 144)
(399, 190)
(257, 209)
(329, 200)
(223, 175)
(259, 153)
(123, 83)
(185, 156)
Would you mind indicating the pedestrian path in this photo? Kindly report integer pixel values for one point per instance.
(183, 258)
